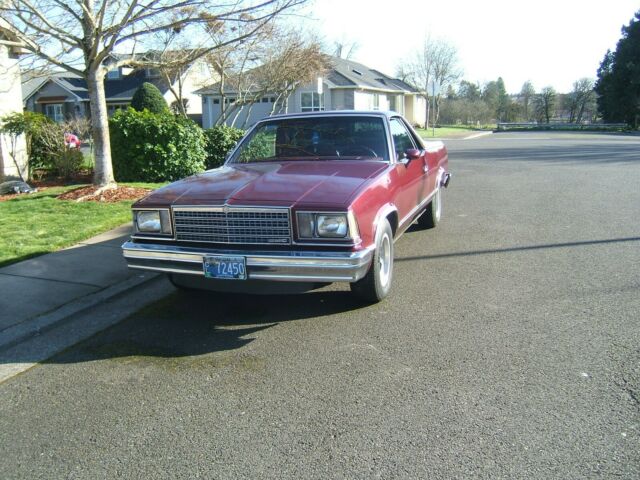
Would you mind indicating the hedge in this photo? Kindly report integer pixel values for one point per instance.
(220, 140)
(150, 147)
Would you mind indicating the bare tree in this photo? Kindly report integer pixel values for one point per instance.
(436, 65)
(344, 48)
(581, 99)
(273, 63)
(527, 93)
(82, 36)
(545, 104)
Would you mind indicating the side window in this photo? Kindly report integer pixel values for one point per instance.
(401, 137)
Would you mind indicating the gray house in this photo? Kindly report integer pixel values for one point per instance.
(62, 96)
(347, 85)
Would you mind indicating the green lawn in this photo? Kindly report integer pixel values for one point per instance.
(38, 223)
(450, 132)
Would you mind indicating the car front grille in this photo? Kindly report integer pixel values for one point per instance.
(233, 225)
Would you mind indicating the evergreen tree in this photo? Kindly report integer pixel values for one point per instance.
(149, 97)
(618, 85)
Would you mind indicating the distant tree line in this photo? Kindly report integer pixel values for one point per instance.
(474, 104)
(434, 70)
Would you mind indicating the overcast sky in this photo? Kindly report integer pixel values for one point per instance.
(550, 42)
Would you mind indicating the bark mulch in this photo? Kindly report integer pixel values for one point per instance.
(107, 195)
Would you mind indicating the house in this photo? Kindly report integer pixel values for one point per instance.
(13, 156)
(347, 85)
(62, 96)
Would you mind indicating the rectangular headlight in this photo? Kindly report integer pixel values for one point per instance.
(333, 225)
(152, 221)
(325, 225)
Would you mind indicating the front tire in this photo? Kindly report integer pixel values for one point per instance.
(433, 212)
(376, 284)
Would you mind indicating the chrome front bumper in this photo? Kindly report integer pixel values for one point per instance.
(284, 266)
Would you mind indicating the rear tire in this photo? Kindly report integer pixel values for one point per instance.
(433, 212)
(376, 284)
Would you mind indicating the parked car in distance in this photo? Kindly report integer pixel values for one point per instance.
(303, 200)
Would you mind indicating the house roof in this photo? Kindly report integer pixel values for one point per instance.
(115, 89)
(348, 73)
(344, 74)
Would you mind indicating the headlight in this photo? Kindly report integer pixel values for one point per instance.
(326, 225)
(332, 225)
(152, 221)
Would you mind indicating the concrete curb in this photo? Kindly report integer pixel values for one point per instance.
(82, 325)
(477, 135)
(41, 323)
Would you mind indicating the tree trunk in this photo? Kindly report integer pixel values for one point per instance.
(103, 173)
(426, 122)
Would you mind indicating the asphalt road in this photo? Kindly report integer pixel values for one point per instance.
(509, 348)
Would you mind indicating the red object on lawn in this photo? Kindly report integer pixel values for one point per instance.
(71, 140)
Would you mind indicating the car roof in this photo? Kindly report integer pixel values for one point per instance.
(335, 113)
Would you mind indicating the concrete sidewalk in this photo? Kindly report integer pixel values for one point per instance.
(40, 293)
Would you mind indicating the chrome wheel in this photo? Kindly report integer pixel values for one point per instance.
(384, 260)
(376, 284)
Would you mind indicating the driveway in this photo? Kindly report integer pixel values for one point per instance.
(509, 348)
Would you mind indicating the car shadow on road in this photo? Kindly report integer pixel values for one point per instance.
(523, 248)
(186, 324)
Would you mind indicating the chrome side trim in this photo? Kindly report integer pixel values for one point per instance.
(416, 209)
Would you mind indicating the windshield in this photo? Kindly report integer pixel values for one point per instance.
(315, 138)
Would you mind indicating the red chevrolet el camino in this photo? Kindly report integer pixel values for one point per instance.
(303, 200)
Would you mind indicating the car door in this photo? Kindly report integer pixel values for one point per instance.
(410, 176)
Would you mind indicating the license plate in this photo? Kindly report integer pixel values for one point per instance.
(225, 268)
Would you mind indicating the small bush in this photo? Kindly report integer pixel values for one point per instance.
(148, 147)
(147, 96)
(220, 140)
(68, 162)
(44, 137)
(46, 145)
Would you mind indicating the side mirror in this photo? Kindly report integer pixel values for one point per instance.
(412, 153)
(409, 155)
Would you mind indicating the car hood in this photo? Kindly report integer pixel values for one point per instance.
(315, 183)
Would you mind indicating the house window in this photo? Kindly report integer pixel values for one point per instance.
(113, 74)
(114, 107)
(311, 101)
(376, 101)
(151, 72)
(216, 101)
(54, 111)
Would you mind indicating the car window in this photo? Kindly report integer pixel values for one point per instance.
(401, 138)
(322, 137)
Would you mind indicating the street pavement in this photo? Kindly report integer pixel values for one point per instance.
(509, 348)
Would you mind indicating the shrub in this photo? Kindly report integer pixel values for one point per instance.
(68, 162)
(220, 139)
(147, 96)
(44, 138)
(155, 148)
